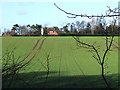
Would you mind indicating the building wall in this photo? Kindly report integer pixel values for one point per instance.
(42, 31)
(52, 33)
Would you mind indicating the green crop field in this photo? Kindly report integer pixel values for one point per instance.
(58, 62)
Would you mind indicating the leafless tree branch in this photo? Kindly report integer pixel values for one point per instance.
(91, 46)
(109, 13)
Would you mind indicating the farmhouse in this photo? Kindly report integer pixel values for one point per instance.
(52, 31)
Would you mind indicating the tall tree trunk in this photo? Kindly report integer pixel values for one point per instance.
(104, 76)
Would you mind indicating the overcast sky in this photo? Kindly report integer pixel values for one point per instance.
(44, 12)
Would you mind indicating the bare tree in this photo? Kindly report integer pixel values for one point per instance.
(100, 59)
(78, 25)
(92, 27)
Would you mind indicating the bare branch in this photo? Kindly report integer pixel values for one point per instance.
(96, 59)
(109, 13)
(91, 46)
(107, 42)
(111, 42)
(107, 51)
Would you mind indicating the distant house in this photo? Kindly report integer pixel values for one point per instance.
(52, 31)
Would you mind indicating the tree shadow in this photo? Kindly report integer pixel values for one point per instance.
(38, 79)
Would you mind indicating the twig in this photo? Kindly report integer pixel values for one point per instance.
(109, 13)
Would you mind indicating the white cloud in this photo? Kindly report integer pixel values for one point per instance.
(22, 12)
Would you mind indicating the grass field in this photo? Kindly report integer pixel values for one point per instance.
(58, 62)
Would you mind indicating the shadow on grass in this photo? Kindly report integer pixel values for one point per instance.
(38, 79)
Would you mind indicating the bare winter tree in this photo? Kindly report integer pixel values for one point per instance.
(78, 25)
(100, 59)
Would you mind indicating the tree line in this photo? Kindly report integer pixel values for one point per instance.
(27, 29)
(93, 27)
